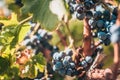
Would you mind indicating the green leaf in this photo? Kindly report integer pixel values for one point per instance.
(4, 64)
(41, 12)
(39, 61)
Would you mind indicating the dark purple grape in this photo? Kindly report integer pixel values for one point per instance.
(80, 16)
(107, 42)
(101, 35)
(67, 60)
(58, 65)
(89, 14)
(62, 54)
(106, 15)
(72, 65)
(115, 11)
(84, 64)
(69, 71)
(80, 9)
(88, 5)
(56, 56)
(88, 59)
(97, 15)
(93, 25)
(71, 9)
(69, 52)
(100, 24)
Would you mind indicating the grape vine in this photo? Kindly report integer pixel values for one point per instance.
(51, 39)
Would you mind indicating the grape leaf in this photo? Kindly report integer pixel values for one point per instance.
(39, 61)
(41, 12)
(4, 64)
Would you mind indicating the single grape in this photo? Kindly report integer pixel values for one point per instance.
(56, 56)
(97, 15)
(72, 65)
(100, 23)
(69, 52)
(115, 11)
(93, 25)
(88, 59)
(107, 42)
(43, 34)
(106, 15)
(80, 16)
(84, 64)
(88, 5)
(62, 54)
(66, 60)
(101, 35)
(89, 14)
(69, 72)
(54, 68)
(90, 21)
(80, 9)
(58, 65)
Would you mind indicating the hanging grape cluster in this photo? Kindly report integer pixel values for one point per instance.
(64, 64)
(101, 18)
(101, 22)
(82, 8)
(38, 41)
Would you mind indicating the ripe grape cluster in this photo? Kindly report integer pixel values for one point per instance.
(81, 8)
(100, 18)
(101, 22)
(64, 64)
(38, 41)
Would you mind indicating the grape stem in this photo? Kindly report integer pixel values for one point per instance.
(35, 29)
(63, 40)
(24, 21)
(70, 36)
(87, 39)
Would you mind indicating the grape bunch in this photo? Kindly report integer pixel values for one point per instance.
(64, 64)
(101, 22)
(81, 8)
(100, 18)
(38, 41)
